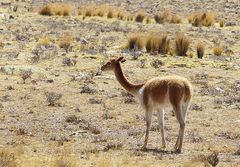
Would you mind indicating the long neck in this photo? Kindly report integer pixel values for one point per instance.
(131, 88)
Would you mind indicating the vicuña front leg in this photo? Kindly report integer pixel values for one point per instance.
(148, 114)
(160, 115)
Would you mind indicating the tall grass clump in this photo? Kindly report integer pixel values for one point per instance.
(200, 50)
(135, 42)
(157, 43)
(181, 45)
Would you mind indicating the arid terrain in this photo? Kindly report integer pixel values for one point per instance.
(57, 108)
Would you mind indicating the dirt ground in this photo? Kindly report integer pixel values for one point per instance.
(94, 121)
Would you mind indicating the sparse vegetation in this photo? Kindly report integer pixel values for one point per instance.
(26, 74)
(7, 159)
(181, 45)
(52, 98)
(200, 50)
(64, 162)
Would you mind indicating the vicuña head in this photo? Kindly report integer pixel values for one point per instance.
(157, 94)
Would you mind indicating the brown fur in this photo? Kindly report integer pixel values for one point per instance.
(157, 93)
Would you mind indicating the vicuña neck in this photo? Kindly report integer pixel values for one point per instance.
(131, 88)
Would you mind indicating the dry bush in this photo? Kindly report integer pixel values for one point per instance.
(181, 45)
(203, 19)
(175, 19)
(135, 42)
(200, 50)
(7, 159)
(46, 10)
(217, 51)
(221, 23)
(140, 17)
(52, 98)
(162, 17)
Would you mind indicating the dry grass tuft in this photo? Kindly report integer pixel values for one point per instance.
(163, 17)
(159, 44)
(175, 19)
(44, 41)
(7, 159)
(202, 19)
(217, 51)
(46, 10)
(59, 9)
(65, 42)
(90, 11)
(152, 43)
(221, 23)
(110, 14)
(140, 17)
(101, 10)
(181, 45)
(200, 50)
(81, 11)
(135, 42)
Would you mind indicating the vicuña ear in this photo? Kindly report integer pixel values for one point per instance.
(120, 59)
(123, 60)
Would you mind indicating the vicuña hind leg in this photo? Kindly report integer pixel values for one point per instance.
(148, 124)
(160, 115)
(181, 120)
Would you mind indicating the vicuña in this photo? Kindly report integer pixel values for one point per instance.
(158, 94)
